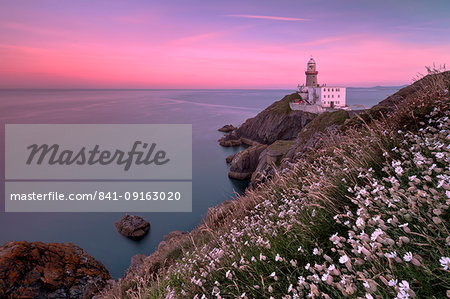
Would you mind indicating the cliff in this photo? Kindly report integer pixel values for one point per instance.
(276, 122)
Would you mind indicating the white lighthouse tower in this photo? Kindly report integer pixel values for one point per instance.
(317, 98)
(311, 73)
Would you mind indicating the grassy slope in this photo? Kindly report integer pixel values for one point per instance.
(321, 122)
(369, 217)
(282, 106)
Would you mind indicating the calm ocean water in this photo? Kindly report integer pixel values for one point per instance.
(206, 110)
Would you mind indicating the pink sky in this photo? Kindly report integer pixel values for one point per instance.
(45, 49)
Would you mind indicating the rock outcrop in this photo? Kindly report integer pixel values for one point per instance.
(270, 159)
(133, 227)
(227, 128)
(55, 270)
(276, 122)
(245, 162)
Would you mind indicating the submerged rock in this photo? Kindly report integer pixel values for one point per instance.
(55, 270)
(133, 227)
(227, 128)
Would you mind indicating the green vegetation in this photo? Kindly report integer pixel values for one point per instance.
(282, 146)
(366, 217)
(359, 120)
(323, 121)
(282, 106)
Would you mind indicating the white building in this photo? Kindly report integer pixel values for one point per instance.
(330, 96)
(318, 98)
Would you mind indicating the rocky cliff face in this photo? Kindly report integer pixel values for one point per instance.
(276, 122)
(55, 270)
(245, 162)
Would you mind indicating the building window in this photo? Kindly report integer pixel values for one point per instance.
(332, 89)
(332, 96)
(339, 95)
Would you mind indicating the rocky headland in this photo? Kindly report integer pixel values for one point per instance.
(275, 137)
(278, 136)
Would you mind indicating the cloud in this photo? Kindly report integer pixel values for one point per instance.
(267, 18)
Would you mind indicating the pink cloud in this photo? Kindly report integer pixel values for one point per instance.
(267, 18)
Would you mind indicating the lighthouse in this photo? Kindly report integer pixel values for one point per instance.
(311, 74)
(317, 98)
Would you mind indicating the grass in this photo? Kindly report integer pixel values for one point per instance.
(360, 120)
(365, 215)
(282, 146)
(323, 121)
(282, 106)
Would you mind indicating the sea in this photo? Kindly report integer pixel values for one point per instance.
(207, 110)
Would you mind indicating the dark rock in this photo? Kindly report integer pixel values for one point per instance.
(228, 143)
(55, 270)
(230, 158)
(227, 128)
(230, 139)
(133, 227)
(276, 122)
(269, 160)
(245, 162)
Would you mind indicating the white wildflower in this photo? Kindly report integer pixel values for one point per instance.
(391, 254)
(301, 280)
(408, 256)
(360, 222)
(343, 259)
(378, 232)
(440, 155)
(228, 274)
(392, 282)
(445, 262)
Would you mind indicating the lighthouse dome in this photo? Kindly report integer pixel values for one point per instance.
(311, 60)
